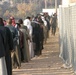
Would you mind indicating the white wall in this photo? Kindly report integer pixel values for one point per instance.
(50, 11)
(65, 2)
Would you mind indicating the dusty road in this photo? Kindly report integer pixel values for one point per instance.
(48, 63)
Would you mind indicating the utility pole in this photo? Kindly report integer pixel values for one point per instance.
(56, 6)
(45, 4)
(51, 3)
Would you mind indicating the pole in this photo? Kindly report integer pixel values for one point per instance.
(45, 4)
(56, 6)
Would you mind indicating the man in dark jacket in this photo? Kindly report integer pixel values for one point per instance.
(36, 36)
(8, 45)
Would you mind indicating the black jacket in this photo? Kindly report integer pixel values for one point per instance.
(6, 39)
(2, 48)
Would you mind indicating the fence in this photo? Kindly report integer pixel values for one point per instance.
(67, 29)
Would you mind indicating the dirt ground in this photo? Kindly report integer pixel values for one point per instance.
(48, 63)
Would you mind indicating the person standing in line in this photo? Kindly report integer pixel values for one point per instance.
(54, 23)
(36, 36)
(27, 22)
(16, 53)
(8, 44)
(45, 28)
(25, 38)
(9, 49)
(41, 34)
(20, 41)
(3, 69)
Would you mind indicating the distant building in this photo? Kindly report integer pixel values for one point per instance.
(67, 2)
(49, 11)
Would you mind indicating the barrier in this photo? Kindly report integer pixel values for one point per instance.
(67, 37)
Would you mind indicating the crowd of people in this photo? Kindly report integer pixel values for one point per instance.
(22, 41)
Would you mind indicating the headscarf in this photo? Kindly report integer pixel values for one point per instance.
(13, 21)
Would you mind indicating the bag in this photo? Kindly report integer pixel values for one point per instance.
(13, 34)
(14, 37)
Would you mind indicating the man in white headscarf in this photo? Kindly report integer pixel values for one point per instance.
(27, 22)
(45, 28)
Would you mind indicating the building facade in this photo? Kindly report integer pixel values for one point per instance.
(67, 2)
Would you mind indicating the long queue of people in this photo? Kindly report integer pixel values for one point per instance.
(22, 41)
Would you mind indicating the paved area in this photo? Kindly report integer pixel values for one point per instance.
(48, 63)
